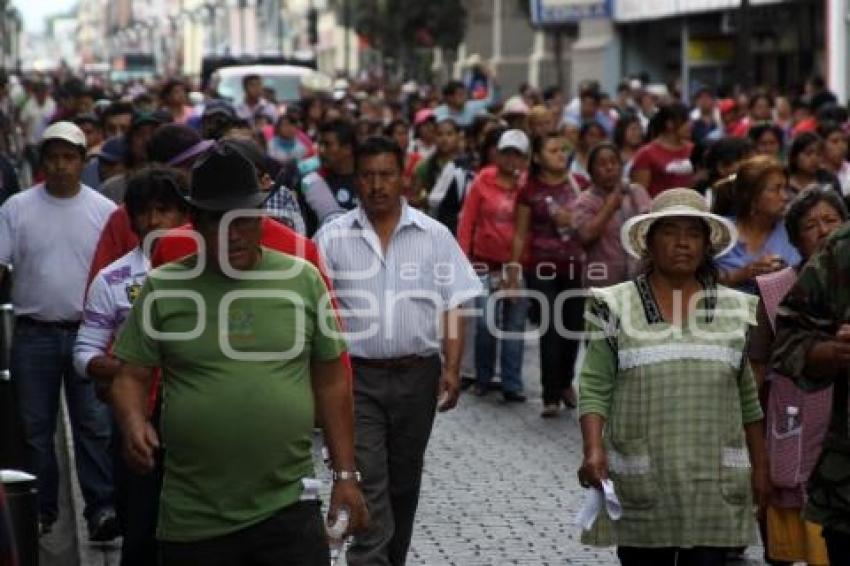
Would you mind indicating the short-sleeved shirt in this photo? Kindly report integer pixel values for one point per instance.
(668, 168)
(776, 244)
(237, 412)
(391, 302)
(262, 108)
(35, 116)
(50, 242)
(607, 261)
(545, 244)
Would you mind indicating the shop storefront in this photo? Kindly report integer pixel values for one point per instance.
(697, 41)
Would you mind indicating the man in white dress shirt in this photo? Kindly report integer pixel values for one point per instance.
(400, 278)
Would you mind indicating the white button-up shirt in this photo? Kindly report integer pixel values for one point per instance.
(392, 303)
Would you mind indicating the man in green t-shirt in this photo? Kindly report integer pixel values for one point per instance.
(249, 346)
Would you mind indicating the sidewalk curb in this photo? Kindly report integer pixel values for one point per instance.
(74, 487)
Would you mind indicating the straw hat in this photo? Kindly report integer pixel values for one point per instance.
(672, 203)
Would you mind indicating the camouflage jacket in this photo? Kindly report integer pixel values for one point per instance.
(812, 312)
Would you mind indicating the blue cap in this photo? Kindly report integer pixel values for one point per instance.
(219, 107)
(113, 150)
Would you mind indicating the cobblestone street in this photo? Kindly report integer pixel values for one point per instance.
(500, 486)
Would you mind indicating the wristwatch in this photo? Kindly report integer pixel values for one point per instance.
(346, 475)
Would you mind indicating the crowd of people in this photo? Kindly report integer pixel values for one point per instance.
(631, 226)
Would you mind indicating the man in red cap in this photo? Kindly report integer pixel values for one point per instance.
(733, 125)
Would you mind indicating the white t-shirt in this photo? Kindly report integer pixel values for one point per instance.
(50, 243)
(34, 118)
(110, 297)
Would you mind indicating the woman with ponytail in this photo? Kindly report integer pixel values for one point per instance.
(665, 162)
(548, 254)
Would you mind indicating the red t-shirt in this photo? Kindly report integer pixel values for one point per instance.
(668, 168)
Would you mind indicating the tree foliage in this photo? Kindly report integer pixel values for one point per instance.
(400, 25)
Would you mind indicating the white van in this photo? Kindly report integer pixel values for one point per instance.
(285, 80)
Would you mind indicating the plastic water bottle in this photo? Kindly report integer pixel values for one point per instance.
(564, 231)
(793, 414)
(336, 533)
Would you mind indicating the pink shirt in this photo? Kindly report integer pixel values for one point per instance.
(607, 261)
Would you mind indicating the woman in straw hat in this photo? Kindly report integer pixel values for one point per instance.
(669, 409)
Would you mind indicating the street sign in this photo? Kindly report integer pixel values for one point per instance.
(556, 12)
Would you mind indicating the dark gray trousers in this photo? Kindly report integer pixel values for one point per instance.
(394, 412)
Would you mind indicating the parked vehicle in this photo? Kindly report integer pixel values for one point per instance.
(285, 80)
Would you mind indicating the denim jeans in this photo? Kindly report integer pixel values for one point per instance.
(505, 315)
(40, 364)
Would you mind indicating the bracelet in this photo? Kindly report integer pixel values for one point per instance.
(345, 475)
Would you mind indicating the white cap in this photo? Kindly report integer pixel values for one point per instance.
(65, 131)
(514, 139)
(410, 87)
(658, 89)
(515, 105)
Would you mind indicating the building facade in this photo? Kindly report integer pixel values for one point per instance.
(699, 42)
(690, 42)
(11, 27)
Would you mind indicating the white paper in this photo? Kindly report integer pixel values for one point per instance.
(15, 476)
(594, 501)
(310, 489)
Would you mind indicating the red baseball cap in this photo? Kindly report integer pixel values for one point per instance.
(727, 105)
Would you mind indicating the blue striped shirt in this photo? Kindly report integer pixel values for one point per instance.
(391, 304)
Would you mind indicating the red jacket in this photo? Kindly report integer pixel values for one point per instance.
(486, 228)
(275, 235)
(117, 239)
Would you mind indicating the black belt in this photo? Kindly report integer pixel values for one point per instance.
(405, 362)
(56, 325)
